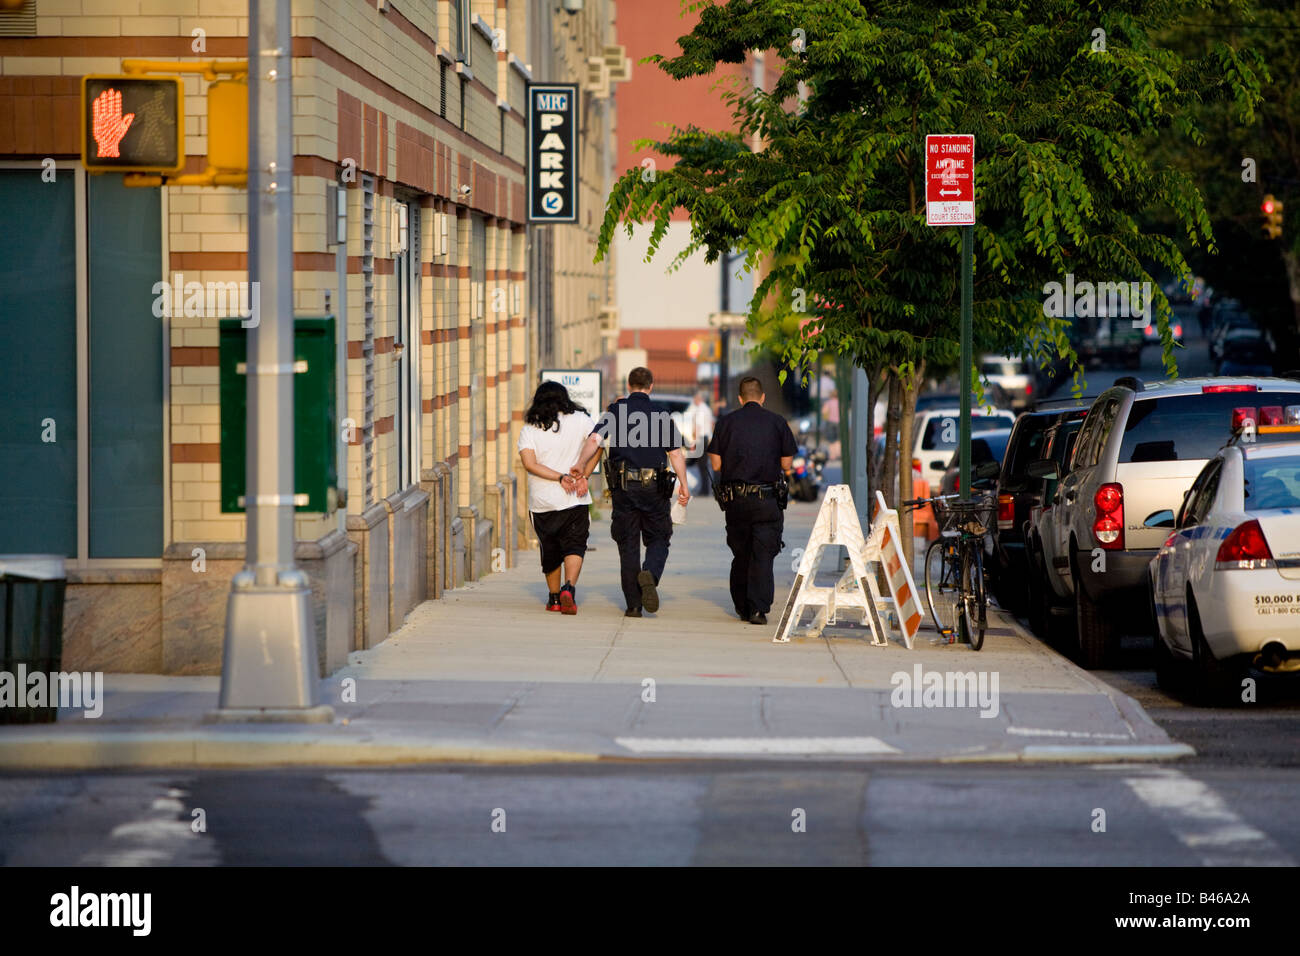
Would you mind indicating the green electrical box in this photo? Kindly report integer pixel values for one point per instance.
(315, 419)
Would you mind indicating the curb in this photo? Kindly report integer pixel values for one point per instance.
(1082, 753)
(143, 749)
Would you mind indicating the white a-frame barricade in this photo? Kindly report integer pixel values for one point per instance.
(837, 524)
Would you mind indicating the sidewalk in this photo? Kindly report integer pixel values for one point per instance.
(487, 675)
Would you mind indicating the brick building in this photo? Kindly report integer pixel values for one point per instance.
(110, 436)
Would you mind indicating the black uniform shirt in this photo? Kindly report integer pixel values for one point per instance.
(640, 432)
(752, 441)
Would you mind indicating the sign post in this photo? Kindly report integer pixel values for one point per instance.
(950, 201)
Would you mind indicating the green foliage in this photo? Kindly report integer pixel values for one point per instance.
(834, 203)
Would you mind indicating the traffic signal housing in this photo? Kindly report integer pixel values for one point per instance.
(705, 348)
(1272, 212)
(132, 124)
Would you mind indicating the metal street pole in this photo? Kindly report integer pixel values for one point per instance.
(967, 241)
(856, 456)
(269, 666)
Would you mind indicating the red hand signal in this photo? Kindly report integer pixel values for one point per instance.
(108, 124)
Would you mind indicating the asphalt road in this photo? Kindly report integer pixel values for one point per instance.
(658, 814)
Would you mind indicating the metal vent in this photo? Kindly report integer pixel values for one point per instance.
(20, 22)
(442, 90)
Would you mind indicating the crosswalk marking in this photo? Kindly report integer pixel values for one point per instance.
(1203, 823)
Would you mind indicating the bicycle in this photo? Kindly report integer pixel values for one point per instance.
(954, 567)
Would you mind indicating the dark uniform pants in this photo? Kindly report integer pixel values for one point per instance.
(640, 516)
(754, 528)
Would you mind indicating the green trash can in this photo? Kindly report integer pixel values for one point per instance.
(31, 612)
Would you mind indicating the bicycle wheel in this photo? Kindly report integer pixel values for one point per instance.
(974, 601)
(941, 591)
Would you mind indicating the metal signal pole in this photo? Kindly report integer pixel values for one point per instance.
(269, 667)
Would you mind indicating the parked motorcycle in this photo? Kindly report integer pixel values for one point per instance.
(806, 474)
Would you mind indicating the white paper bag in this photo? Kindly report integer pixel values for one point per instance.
(679, 513)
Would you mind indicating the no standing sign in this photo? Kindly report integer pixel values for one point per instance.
(950, 179)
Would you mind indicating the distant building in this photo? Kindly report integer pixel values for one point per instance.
(657, 313)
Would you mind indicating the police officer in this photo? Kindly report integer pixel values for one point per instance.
(643, 443)
(752, 450)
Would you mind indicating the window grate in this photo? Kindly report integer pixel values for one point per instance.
(368, 338)
(442, 90)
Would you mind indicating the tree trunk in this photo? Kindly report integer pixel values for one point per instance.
(1292, 262)
(909, 386)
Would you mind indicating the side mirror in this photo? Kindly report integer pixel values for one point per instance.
(990, 469)
(1043, 468)
(1159, 519)
(939, 465)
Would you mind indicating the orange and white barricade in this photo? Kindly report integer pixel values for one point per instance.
(837, 524)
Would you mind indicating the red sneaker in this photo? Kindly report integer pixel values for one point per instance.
(553, 604)
(567, 604)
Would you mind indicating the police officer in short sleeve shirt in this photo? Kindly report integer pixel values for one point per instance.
(752, 450)
(643, 439)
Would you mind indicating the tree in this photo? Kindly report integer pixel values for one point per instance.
(1060, 96)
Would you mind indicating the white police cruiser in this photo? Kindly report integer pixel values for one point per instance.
(1226, 584)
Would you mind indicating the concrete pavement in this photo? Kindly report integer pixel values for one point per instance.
(487, 675)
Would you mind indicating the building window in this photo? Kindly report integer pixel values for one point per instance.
(463, 83)
(81, 367)
(442, 89)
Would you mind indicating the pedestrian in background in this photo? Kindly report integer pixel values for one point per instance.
(549, 444)
(699, 422)
(645, 450)
(752, 451)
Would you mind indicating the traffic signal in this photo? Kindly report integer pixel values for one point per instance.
(1272, 210)
(132, 124)
(706, 348)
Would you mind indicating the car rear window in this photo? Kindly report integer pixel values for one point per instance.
(1028, 445)
(934, 429)
(1273, 483)
(1188, 427)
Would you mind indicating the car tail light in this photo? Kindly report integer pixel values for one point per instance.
(1270, 415)
(1029, 389)
(1108, 525)
(1212, 389)
(1244, 549)
(1006, 512)
(1178, 331)
(1242, 415)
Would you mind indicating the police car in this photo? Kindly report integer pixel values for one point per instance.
(1226, 584)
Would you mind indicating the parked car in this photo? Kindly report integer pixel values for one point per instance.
(1048, 598)
(1139, 449)
(935, 432)
(1010, 375)
(1225, 585)
(1224, 322)
(1018, 494)
(988, 448)
(1151, 334)
(1109, 340)
(1246, 348)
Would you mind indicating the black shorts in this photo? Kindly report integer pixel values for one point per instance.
(561, 533)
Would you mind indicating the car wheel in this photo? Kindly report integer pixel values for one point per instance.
(1217, 683)
(1097, 637)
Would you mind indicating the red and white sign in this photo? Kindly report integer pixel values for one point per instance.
(950, 180)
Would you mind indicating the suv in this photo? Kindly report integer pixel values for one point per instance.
(1137, 453)
(1018, 494)
(934, 437)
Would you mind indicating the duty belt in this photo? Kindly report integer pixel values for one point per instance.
(740, 489)
(638, 477)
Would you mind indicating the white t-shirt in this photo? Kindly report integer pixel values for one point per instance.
(558, 450)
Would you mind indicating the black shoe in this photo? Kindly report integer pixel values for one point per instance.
(632, 612)
(649, 596)
(758, 617)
